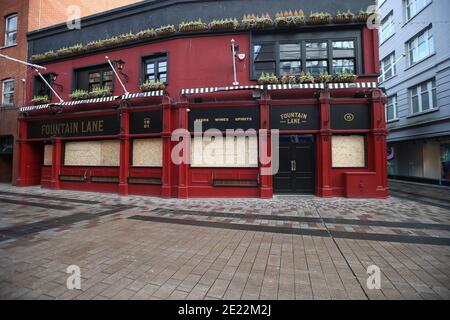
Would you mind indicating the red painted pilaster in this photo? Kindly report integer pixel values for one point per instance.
(379, 134)
(266, 190)
(371, 55)
(323, 168)
(124, 148)
(183, 168)
(23, 146)
(166, 191)
(56, 162)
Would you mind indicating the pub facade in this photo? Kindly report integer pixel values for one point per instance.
(245, 87)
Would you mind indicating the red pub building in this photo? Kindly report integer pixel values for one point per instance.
(289, 70)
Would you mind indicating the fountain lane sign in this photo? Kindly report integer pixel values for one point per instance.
(75, 127)
(305, 117)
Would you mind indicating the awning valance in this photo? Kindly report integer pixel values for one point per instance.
(158, 93)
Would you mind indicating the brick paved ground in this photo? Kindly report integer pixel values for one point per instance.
(285, 248)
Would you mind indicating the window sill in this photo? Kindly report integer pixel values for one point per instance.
(416, 14)
(422, 113)
(387, 39)
(10, 46)
(420, 61)
(393, 121)
(388, 79)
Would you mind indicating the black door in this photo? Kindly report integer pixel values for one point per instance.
(296, 169)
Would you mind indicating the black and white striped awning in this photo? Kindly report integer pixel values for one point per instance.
(96, 100)
(362, 85)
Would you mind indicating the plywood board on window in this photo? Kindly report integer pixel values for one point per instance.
(147, 152)
(92, 153)
(48, 151)
(231, 152)
(348, 151)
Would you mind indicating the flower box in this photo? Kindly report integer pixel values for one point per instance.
(165, 30)
(151, 85)
(79, 95)
(193, 26)
(316, 18)
(37, 100)
(224, 24)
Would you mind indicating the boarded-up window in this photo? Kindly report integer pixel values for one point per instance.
(147, 152)
(92, 153)
(48, 150)
(348, 151)
(231, 152)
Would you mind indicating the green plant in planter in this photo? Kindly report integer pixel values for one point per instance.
(344, 17)
(306, 77)
(345, 76)
(69, 50)
(144, 34)
(79, 94)
(319, 18)
(289, 19)
(324, 77)
(165, 30)
(100, 92)
(256, 22)
(126, 37)
(268, 78)
(94, 44)
(44, 56)
(152, 85)
(288, 79)
(362, 16)
(192, 26)
(224, 24)
(40, 99)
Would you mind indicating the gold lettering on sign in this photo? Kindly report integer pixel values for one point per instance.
(201, 120)
(243, 119)
(92, 126)
(293, 117)
(221, 119)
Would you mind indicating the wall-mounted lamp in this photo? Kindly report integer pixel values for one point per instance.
(53, 77)
(120, 64)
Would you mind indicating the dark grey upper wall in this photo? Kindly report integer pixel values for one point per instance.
(155, 13)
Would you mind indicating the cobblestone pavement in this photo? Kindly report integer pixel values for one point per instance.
(284, 248)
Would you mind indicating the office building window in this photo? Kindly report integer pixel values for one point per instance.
(388, 69)
(423, 96)
(414, 6)
(391, 108)
(421, 46)
(387, 27)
